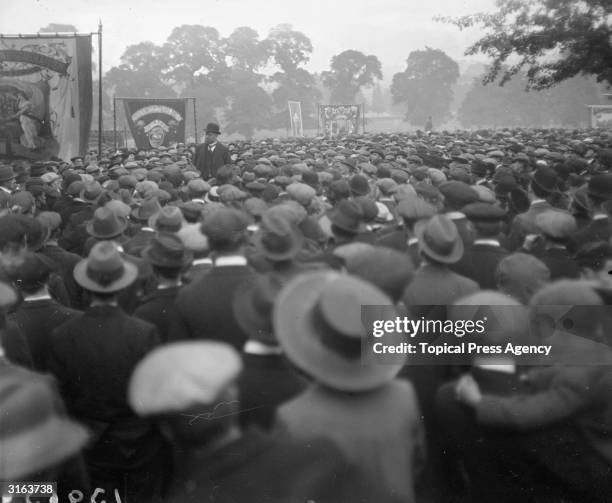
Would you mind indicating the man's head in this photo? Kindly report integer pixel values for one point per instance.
(212, 132)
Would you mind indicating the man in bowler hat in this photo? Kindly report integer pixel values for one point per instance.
(211, 155)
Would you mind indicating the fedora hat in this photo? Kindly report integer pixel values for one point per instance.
(546, 179)
(277, 239)
(6, 173)
(253, 306)
(168, 219)
(147, 209)
(106, 224)
(348, 216)
(211, 127)
(104, 270)
(318, 320)
(91, 192)
(35, 433)
(167, 250)
(439, 239)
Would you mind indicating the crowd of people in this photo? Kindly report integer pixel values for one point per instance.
(185, 323)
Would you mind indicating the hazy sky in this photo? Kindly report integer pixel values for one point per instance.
(390, 29)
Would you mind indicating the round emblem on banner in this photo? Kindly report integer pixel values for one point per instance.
(156, 131)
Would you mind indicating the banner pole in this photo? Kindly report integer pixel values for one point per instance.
(115, 122)
(100, 89)
(363, 117)
(195, 120)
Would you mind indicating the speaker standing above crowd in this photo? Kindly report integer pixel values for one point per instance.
(192, 317)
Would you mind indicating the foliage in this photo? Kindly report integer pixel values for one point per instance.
(58, 28)
(425, 87)
(554, 40)
(349, 72)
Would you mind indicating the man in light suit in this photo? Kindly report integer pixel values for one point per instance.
(211, 155)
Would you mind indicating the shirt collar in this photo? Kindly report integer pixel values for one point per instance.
(489, 241)
(258, 348)
(230, 260)
(538, 201)
(202, 261)
(34, 298)
(600, 216)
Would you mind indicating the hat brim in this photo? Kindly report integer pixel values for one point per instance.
(130, 273)
(157, 261)
(292, 252)
(451, 258)
(295, 328)
(89, 227)
(41, 447)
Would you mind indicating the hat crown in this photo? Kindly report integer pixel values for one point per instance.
(104, 264)
(106, 222)
(441, 234)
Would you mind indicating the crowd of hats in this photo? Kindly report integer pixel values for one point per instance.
(329, 202)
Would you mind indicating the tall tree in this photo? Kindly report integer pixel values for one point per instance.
(425, 87)
(349, 72)
(553, 39)
(290, 48)
(245, 51)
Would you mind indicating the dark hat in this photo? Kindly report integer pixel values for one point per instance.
(253, 306)
(211, 127)
(458, 194)
(6, 173)
(483, 212)
(91, 192)
(546, 179)
(167, 250)
(192, 211)
(348, 216)
(600, 186)
(277, 238)
(359, 185)
(168, 219)
(34, 271)
(38, 169)
(104, 270)
(106, 224)
(310, 178)
(318, 321)
(225, 225)
(439, 239)
(340, 189)
(36, 434)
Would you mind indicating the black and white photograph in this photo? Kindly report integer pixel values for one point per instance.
(305, 251)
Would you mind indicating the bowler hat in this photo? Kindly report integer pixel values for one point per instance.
(211, 127)
(359, 185)
(106, 224)
(439, 239)
(167, 250)
(318, 321)
(104, 270)
(600, 186)
(546, 179)
(33, 271)
(36, 434)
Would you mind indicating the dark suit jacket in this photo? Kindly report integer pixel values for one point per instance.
(480, 263)
(266, 382)
(560, 264)
(208, 163)
(206, 304)
(597, 230)
(159, 309)
(74, 236)
(36, 320)
(93, 356)
(139, 242)
(64, 266)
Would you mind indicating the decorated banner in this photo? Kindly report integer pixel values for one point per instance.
(45, 96)
(295, 118)
(601, 116)
(339, 120)
(156, 122)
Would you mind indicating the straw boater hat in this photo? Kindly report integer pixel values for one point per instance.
(104, 270)
(317, 319)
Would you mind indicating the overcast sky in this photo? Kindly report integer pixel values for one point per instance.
(390, 29)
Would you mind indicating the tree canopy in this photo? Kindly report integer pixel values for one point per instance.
(425, 86)
(349, 72)
(550, 40)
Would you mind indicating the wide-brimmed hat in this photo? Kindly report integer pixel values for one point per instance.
(277, 239)
(347, 216)
(318, 321)
(439, 239)
(253, 305)
(211, 127)
(104, 270)
(167, 250)
(6, 173)
(106, 224)
(35, 434)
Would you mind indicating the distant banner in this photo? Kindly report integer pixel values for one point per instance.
(156, 123)
(45, 95)
(339, 120)
(295, 118)
(601, 116)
